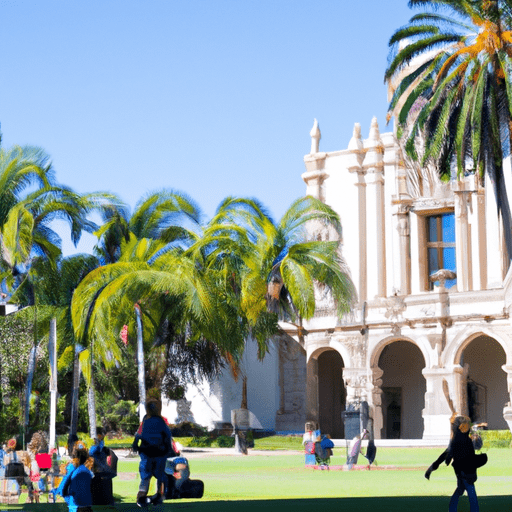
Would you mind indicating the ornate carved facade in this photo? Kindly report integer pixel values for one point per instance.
(434, 294)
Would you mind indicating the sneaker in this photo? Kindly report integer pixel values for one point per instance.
(142, 500)
(156, 499)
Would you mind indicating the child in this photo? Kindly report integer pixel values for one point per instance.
(153, 442)
(102, 493)
(461, 454)
(76, 485)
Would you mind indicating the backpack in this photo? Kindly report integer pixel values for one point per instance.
(15, 468)
(152, 447)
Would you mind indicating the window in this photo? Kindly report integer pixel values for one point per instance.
(441, 245)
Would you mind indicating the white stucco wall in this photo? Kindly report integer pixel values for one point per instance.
(212, 402)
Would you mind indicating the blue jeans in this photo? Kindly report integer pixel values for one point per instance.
(464, 485)
(152, 466)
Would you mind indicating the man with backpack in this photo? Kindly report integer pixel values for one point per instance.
(153, 442)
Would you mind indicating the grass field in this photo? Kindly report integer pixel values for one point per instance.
(281, 482)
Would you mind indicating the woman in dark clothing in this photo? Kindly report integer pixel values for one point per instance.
(461, 454)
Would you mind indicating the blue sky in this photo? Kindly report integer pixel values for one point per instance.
(212, 98)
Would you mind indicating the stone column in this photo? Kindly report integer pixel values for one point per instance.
(356, 146)
(437, 413)
(355, 383)
(312, 409)
(494, 245)
(378, 418)
(404, 234)
(374, 167)
(292, 384)
(507, 410)
(463, 249)
(479, 237)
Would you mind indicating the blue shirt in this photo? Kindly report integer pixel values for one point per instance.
(79, 490)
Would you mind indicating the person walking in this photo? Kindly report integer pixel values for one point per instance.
(461, 454)
(153, 441)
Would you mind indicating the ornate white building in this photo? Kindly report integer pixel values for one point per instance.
(433, 302)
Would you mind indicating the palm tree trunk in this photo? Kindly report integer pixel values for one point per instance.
(52, 350)
(28, 389)
(74, 394)
(30, 377)
(91, 403)
(244, 392)
(140, 365)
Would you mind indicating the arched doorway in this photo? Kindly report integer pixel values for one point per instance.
(403, 390)
(331, 393)
(485, 382)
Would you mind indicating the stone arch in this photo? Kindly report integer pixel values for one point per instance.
(381, 344)
(328, 364)
(480, 358)
(455, 348)
(314, 352)
(397, 363)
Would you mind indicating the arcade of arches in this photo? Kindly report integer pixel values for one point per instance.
(483, 387)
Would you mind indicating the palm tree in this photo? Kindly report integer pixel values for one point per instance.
(177, 301)
(272, 269)
(453, 89)
(164, 215)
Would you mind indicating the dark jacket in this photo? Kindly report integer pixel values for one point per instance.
(461, 453)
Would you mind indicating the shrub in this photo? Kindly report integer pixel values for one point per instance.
(122, 416)
(225, 441)
(496, 438)
(201, 442)
(187, 429)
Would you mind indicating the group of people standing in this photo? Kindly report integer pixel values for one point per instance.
(87, 479)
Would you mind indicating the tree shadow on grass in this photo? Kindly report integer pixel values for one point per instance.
(384, 504)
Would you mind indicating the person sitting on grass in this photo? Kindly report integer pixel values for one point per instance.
(153, 442)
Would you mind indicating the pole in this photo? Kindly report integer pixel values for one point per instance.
(52, 349)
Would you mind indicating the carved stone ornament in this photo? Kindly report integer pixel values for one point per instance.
(395, 306)
(356, 346)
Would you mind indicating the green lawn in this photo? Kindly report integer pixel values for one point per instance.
(281, 482)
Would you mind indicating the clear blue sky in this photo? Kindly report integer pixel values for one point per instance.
(212, 98)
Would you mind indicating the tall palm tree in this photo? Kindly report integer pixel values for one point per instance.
(164, 215)
(177, 300)
(30, 201)
(271, 268)
(453, 88)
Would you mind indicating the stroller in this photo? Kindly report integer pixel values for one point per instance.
(179, 484)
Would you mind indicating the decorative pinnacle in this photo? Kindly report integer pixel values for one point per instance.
(374, 130)
(356, 142)
(315, 138)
